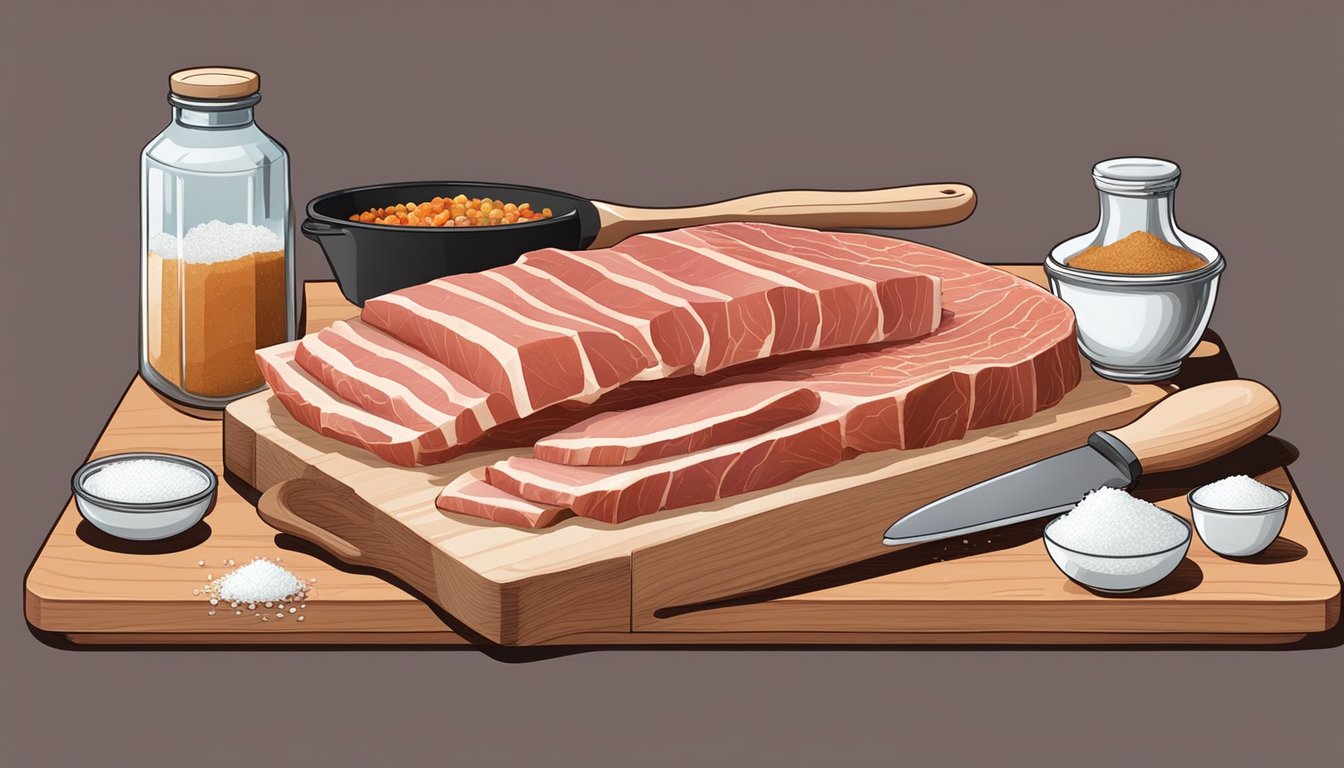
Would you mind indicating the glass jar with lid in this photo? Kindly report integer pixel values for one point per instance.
(217, 267)
(1142, 289)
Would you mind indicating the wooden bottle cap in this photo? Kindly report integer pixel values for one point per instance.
(214, 83)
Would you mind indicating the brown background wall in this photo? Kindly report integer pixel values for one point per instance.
(667, 103)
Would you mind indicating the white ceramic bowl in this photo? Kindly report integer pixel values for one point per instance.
(143, 521)
(1238, 532)
(1116, 573)
(1137, 327)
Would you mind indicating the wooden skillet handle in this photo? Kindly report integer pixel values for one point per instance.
(925, 205)
(1200, 424)
(277, 506)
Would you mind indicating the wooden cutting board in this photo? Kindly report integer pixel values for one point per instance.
(997, 587)
(520, 587)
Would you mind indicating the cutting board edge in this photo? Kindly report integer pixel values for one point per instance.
(661, 579)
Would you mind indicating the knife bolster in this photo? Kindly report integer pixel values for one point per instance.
(1117, 453)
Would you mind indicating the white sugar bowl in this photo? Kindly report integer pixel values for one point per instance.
(144, 496)
(1238, 532)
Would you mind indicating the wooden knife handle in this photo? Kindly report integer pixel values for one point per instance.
(277, 507)
(925, 205)
(1200, 424)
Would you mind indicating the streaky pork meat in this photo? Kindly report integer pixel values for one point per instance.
(678, 426)
(618, 494)
(1007, 352)
(562, 326)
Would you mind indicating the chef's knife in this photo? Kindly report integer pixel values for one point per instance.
(1184, 429)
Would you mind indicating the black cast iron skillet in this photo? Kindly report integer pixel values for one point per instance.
(372, 259)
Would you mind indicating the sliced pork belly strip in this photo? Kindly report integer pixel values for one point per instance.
(315, 407)
(391, 380)
(786, 310)
(677, 427)
(734, 328)
(611, 357)
(469, 494)
(512, 349)
(849, 306)
(911, 311)
(676, 333)
(570, 306)
(617, 494)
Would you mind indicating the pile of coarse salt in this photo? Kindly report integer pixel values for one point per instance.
(1238, 492)
(145, 481)
(1110, 522)
(260, 586)
(216, 241)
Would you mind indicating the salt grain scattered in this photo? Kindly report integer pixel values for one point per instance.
(1111, 522)
(201, 563)
(145, 481)
(1238, 492)
(259, 581)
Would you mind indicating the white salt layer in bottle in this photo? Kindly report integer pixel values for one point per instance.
(1238, 493)
(145, 481)
(216, 241)
(1110, 522)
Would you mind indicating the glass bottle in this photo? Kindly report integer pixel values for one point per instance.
(217, 266)
(1137, 194)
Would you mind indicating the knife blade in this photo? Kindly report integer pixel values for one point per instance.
(1181, 430)
(1048, 487)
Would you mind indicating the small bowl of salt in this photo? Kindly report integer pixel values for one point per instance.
(1238, 516)
(144, 496)
(1113, 542)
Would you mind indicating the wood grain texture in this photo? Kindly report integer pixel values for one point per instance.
(517, 586)
(93, 589)
(1199, 425)
(924, 205)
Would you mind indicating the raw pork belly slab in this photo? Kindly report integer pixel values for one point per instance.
(469, 354)
(1007, 352)
(677, 427)
(562, 326)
